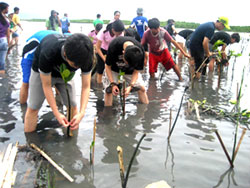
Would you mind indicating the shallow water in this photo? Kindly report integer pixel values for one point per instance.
(193, 158)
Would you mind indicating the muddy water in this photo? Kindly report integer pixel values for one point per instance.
(193, 158)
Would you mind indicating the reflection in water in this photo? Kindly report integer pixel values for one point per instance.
(229, 172)
(169, 149)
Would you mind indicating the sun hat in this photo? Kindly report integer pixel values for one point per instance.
(224, 20)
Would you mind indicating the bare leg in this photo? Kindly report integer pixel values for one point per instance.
(177, 71)
(99, 78)
(30, 121)
(108, 99)
(143, 97)
(211, 65)
(24, 93)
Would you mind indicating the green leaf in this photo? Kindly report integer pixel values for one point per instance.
(92, 144)
(217, 44)
(233, 101)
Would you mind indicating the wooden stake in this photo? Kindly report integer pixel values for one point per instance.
(239, 143)
(64, 173)
(93, 148)
(224, 148)
(197, 110)
(69, 131)
(123, 105)
(121, 165)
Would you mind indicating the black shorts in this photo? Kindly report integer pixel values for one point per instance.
(100, 66)
(198, 55)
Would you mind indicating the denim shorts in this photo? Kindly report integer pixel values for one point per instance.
(3, 52)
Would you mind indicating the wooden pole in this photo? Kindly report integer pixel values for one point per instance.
(64, 173)
(224, 148)
(123, 105)
(93, 148)
(121, 164)
(239, 143)
(69, 115)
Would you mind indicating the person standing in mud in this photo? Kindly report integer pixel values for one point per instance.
(104, 37)
(4, 35)
(27, 59)
(226, 39)
(199, 42)
(74, 51)
(156, 37)
(125, 54)
(171, 30)
(16, 21)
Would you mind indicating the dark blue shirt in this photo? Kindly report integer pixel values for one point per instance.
(202, 31)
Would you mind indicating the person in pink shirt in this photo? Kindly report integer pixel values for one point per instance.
(93, 34)
(156, 37)
(104, 38)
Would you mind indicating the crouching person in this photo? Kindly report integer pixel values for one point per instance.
(75, 51)
(125, 56)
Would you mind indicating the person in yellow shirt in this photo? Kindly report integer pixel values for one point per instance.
(16, 21)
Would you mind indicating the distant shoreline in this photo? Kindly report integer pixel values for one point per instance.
(178, 24)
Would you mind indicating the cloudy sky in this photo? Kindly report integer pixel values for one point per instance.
(198, 11)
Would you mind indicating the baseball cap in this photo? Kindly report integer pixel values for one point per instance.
(224, 20)
(139, 11)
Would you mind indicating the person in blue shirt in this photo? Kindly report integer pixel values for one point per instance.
(199, 42)
(65, 23)
(27, 59)
(140, 22)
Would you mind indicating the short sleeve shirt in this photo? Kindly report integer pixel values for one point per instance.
(93, 36)
(157, 43)
(49, 56)
(202, 31)
(221, 35)
(16, 21)
(140, 22)
(115, 55)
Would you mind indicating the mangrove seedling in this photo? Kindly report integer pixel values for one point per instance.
(67, 75)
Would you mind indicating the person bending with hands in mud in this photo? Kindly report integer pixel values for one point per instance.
(157, 37)
(125, 57)
(75, 51)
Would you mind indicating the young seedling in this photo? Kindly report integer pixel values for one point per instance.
(67, 75)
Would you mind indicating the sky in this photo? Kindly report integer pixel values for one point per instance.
(198, 11)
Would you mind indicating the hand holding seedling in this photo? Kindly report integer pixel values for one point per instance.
(75, 121)
(62, 120)
(127, 91)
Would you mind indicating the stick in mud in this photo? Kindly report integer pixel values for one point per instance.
(93, 148)
(63, 172)
(224, 148)
(131, 161)
(123, 104)
(170, 121)
(121, 164)
(239, 143)
(177, 115)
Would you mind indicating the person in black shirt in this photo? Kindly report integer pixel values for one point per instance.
(125, 54)
(226, 39)
(75, 51)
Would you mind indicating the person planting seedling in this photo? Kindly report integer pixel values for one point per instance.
(75, 51)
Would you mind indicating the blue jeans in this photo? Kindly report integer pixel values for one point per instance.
(3, 52)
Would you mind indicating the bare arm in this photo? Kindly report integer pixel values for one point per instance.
(98, 50)
(86, 78)
(180, 48)
(8, 35)
(47, 89)
(206, 46)
(132, 82)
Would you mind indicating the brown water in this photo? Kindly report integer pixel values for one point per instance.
(193, 158)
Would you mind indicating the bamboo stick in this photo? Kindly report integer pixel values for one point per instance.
(93, 148)
(63, 172)
(197, 110)
(123, 105)
(121, 164)
(69, 117)
(224, 148)
(239, 143)
(4, 165)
